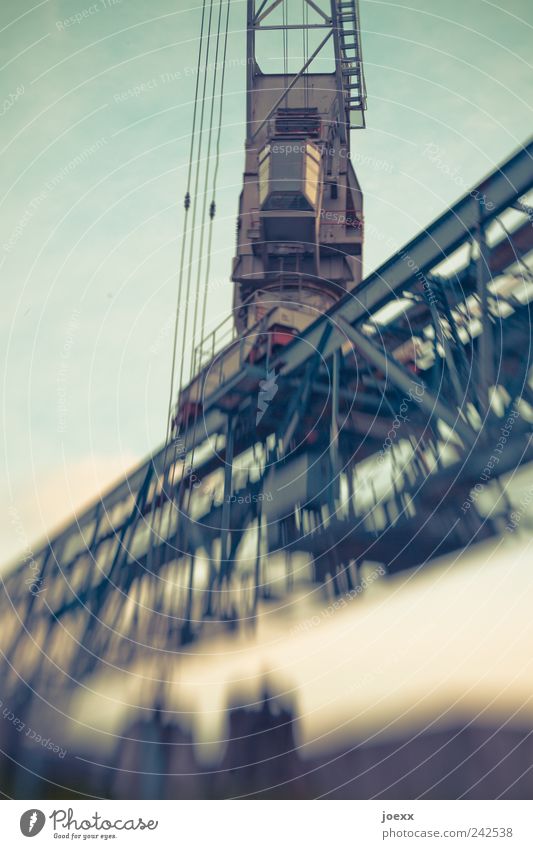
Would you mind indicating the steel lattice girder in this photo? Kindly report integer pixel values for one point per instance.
(458, 225)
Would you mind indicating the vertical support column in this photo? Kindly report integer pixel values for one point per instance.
(460, 395)
(343, 129)
(257, 570)
(250, 65)
(186, 631)
(351, 490)
(334, 428)
(485, 351)
(225, 533)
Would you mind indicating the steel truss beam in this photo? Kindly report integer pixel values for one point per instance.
(458, 225)
(400, 377)
(75, 561)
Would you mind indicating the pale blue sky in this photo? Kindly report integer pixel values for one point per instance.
(89, 250)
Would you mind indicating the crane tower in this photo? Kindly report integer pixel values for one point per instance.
(300, 224)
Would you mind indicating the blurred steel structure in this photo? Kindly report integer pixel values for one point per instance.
(306, 478)
(347, 421)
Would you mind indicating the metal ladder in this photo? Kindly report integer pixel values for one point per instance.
(351, 59)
